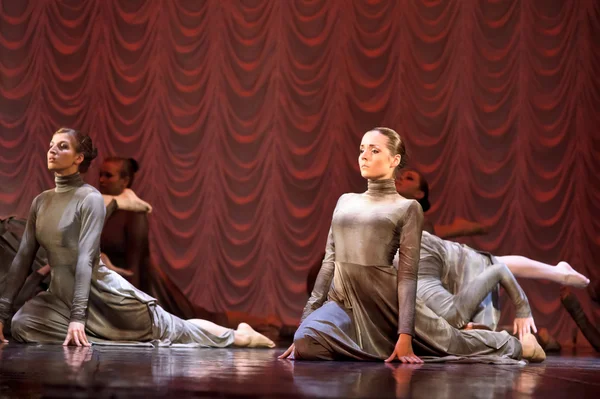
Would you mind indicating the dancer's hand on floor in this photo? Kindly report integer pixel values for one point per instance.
(76, 334)
(524, 325)
(403, 351)
(289, 352)
(2, 339)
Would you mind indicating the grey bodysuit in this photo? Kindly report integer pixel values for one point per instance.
(361, 303)
(460, 284)
(67, 223)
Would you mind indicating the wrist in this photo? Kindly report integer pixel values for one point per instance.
(405, 338)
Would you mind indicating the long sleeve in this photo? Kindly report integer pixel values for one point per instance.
(408, 266)
(137, 247)
(515, 293)
(21, 265)
(324, 278)
(92, 214)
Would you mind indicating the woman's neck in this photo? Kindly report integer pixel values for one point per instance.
(67, 183)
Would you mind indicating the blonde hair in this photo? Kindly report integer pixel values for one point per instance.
(395, 145)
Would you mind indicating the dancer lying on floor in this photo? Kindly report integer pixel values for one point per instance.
(125, 249)
(86, 299)
(457, 283)
(371, 312)
(411, 184)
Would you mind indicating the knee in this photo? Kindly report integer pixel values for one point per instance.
(455, 319)
(306, 348)
(19, 327)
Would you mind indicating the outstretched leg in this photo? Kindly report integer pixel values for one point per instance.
(244, 335)
(562, 273)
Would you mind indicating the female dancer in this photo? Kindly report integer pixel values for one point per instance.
(411, 184)
(370, 311)
(86, 299)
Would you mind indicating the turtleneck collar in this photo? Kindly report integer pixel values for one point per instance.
(67, 183)
(381, 187)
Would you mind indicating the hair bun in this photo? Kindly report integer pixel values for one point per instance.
(135, 166)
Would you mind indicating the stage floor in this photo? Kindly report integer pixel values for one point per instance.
(100, 371)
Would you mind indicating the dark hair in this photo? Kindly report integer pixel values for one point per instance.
(395, 145)
(423, 186)
(129, 167)
(83, 145)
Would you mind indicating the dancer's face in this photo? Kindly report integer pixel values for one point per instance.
(408, 184)
(375, 159)
(111, 182)
(62, 156)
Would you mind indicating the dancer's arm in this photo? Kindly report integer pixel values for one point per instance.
(92, 215)
(20, 267)
(128, 201)
(108, 263)
(322, 284)
(459, 228)
(523, 323)
(408, 266)
(324, 279)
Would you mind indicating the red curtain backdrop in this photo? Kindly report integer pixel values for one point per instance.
(246, 118)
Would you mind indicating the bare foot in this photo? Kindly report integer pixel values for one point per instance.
(571, 277)
(256, 340)
(532, 350)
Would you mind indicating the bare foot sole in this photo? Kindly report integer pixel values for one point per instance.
(256, 340)
(571, 276)
(532, 350)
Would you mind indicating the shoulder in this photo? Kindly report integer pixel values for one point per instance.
(409, 210)
(43, 195)
(90, 197)
(409, 206)
(346, 197)
(40, 198)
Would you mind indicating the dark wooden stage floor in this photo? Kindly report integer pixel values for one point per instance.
(54, 371)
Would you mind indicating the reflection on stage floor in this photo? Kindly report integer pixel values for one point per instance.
(101, 371)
